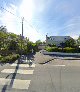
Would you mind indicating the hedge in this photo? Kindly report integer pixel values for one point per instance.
(66, 49)
(52, 49)
(10, 58)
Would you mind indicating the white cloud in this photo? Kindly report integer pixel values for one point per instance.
(8, 19)
(26, 9)
(12, 23)
(32, 32)
(42, 5)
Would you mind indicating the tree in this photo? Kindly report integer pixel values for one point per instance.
(3, 29)
(78, 41)
(70, 43)
(11, 41)
(13, 45)
(38, 42)
(3, 36)
(52, 45)
(44, 42)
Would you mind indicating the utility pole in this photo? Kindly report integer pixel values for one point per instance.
(22, 25)
(22, 35)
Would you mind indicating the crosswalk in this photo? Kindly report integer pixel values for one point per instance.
(17, 69)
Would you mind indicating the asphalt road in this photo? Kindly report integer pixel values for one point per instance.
(56, 76)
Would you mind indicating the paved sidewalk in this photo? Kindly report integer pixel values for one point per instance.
(41, 58)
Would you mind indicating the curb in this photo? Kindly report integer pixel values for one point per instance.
(70, 59)
(46, 61)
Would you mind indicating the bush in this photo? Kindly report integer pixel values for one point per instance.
(10, 58)
(69, 50)
(66, 50)
(59, 49)
(0, 57)
(52, 49)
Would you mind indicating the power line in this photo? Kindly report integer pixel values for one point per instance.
(10, 12)
(21, 18)
(24, 20)
(30, 25)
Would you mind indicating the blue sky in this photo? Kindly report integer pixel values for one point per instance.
(55, 17)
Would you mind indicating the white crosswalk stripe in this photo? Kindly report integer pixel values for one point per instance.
(23, 65)
(19, 71)
(18, 83)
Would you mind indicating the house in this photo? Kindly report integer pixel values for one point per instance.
(56, 40)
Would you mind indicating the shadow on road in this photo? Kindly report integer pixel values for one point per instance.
(30, 56)
(74, 56)
(4, 88)
(4, 63)
(12, 79)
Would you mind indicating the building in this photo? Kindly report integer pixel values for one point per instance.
(56, 40)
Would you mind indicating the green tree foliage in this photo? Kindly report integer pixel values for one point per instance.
(52, 45)
(3, 29)
(38, 42)
(78, 41)
(3, 37)
(12, 42)
(13, 45)
(70, 43)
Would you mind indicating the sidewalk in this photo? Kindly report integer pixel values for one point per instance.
(41, 58)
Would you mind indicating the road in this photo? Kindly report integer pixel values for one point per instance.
(55, 76)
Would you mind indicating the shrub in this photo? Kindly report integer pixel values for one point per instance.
(10, 58)
(69, 50)
(3, 60)
(66, 49)
(59, 49)
(7, 58)
(52, 49)
(0, 57)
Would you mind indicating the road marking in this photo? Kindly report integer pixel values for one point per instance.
(18, 84)
(21, 84)
(4, 81)
(58, 65)
(19, 71)
(23, 65)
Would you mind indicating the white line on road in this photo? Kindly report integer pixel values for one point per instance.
(18, 84)
(58, 65)
(19, 71)
(23, 65)
(21, 84)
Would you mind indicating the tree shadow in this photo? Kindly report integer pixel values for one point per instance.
(4, 88)
(12, 79)
(4, 63)
(30, 56)
(75, 56)
(1, 64)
